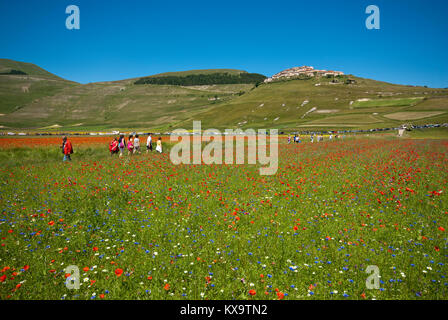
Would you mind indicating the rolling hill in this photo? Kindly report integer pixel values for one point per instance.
(33, 83)
(294, 104)
(320, 103)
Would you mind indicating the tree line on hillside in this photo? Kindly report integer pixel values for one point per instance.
(204, 79)
(12, 71)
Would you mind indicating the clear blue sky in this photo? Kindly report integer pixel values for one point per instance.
(122, 39)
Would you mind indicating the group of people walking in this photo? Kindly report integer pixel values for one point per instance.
(116, 146)
(132, 145)
(296, 139)
(313, 137)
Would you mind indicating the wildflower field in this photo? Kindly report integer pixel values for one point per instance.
(142, 228)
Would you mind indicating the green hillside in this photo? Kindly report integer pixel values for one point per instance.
(322, 104)
(19, 90)
(316, 103)
(118, 104)
(28, 68)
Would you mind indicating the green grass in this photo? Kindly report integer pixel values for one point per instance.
(387, 102)
(216, 232)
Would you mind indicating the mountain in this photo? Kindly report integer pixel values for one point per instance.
(22, 83)
(315, 101)
(113, 104)
(29, 69)
(330, 102)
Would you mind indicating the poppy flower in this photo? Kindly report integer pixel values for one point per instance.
(441, 228)
(26, 267)
(85, 269)
(252, 292)
(95, 248)
(280, 295)
(3, 278)
(166, 287)
(51, 223)
(118, 272)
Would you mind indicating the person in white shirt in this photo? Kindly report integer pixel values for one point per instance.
(149, 144)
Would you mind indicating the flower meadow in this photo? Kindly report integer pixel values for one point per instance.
(142, 228)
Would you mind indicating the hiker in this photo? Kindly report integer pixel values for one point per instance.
(289, 139)
(68, 149)
(121, 144)
(130, 145)
(149, 143)
(136, 144)
(159, 145)
(113, 146)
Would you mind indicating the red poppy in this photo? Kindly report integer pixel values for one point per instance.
(26, 267)
(85, 269)
(441, 228)
(437, 248)
(3, 278)
(118, 272)
(280, 295)
(95, 248)
(252, 292)
(167, 287)
(51, 223)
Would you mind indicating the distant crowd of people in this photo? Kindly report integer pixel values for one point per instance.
(318, 138)
(117, 146)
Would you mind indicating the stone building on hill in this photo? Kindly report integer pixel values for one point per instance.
(302, 71)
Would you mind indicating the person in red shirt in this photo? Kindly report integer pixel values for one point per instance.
(113, 147)
(67, 149)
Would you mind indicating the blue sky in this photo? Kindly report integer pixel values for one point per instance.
(125, 39)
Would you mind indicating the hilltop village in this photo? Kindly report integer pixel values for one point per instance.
(302, 71)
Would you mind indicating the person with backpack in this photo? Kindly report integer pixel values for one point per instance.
(67, 149)
(121, 144)
(131, 145)
(113, 147)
